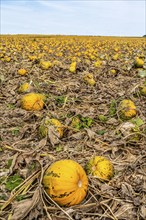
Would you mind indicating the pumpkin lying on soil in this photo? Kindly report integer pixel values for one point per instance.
(113, 72)
(100, 167)
(22, 72)
(66, 182)
(72, 68)
(25, 87)
(88, 78)
(76, 123)
(98, 63)
(127, 109)
(139, 62)
(43, 129)
(32, 101)
(142, 90)
(45, 65)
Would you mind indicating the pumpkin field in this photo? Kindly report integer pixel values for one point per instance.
(73, 127)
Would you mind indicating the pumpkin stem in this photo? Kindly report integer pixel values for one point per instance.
(80, 183)
(93, 168)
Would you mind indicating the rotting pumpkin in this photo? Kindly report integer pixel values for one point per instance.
(33, 101)
(100, 167)
(127, 109)
(46, 123)
(66, 182)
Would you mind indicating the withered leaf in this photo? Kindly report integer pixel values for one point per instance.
(124, 211)
(53, 135)
(21, 209)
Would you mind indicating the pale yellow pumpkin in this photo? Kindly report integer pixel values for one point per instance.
(127, 109)
(100, 167)
(88, 78)
(66, 182)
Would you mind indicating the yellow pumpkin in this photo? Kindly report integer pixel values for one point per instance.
(72, 68)
(7, 59)
(127, 109)
(66, 182)
(32, 58)
(143, 90)
(100, 167)
(116, 49)
(113, 72)
(139, 62)
(88, 78)
(98, 63)
(43, 129)
(45, 65)
(22, 72)
(32, 101)
(25, 87)
(115, 57)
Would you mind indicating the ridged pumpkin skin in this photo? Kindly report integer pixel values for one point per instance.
(127, 109)
(32, 101)
(66, 182)
(43, 129)
(100, 167)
